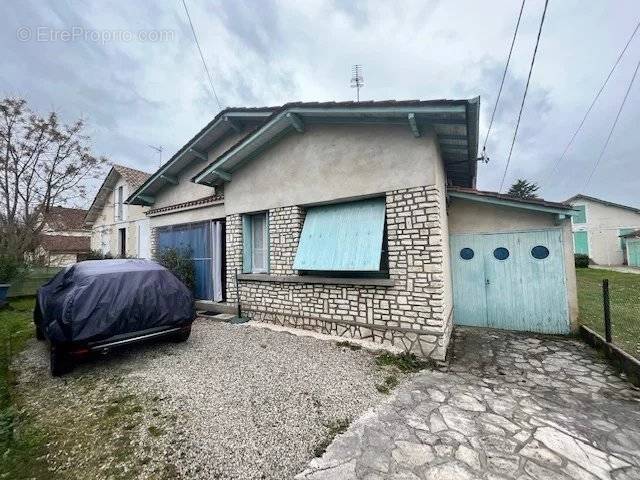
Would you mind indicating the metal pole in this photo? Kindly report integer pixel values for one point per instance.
(238, 296)
(607, 310)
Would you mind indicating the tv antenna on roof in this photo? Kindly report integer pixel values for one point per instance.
(357, 80)
(159, 150)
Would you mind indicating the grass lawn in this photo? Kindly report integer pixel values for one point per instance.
(624, 289)
(21, 444)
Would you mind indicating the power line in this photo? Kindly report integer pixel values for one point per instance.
(595, 99)
(526, 89)
(606, 143)
(195, 37)
(504, 74)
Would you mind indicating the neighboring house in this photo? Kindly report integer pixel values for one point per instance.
(64, 238)
(598, 226)
(361, 220)
(632, 248)
(118, 229)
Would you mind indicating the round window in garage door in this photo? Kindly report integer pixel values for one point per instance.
(466, 253)
(501, 253)
(540, 252)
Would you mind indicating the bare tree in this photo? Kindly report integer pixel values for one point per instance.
(43, 163)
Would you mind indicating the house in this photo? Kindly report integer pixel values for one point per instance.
(119, 229)
(64, 239)
(632, 247)
(598, 226)
(361, 220)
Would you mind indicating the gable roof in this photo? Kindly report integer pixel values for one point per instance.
(226, 122)
(134, 178)
(508, 201)
(65, 244)
(604, 202)
(454, 121)
(63, 218)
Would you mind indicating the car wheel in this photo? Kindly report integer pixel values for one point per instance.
(39, 333)
(182, 335)
(60, 362)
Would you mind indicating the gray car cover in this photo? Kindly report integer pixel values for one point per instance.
(98, 299)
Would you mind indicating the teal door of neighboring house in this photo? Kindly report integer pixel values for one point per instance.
(633, 252)
(581, 243)
(513, 281)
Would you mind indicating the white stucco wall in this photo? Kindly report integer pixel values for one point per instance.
(330, 162)
(603, 227)
(210, 212)
(107, 225)
(473, 217)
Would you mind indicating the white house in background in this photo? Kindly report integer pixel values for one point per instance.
(598, 226)
(64, 238)
(118, 229)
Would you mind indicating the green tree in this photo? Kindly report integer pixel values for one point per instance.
(523, 189)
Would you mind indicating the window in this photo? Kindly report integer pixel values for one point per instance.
(581, 215)
(344, 239)
(119, 203)
(501, 253)
(540, 252)
(122, 242)
(466, 253)
(255, 232)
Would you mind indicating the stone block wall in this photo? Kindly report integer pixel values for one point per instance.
(410, 314)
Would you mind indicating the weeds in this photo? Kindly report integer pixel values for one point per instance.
(349, 345)
(335, 428)
(404, 362)
(390, 382)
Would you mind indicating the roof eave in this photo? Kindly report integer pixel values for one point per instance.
(284, 121)
(492, 200)
(221, 120)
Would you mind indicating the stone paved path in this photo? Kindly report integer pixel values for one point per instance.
(509, 405)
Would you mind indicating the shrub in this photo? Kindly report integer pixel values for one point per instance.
(10, 268)
(179, 262)
(582, 260)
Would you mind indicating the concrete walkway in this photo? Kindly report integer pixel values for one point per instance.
(617, 268)
(516, 406)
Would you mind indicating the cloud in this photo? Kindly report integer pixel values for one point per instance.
(136, 93)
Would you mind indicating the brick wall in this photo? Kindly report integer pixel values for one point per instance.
(410, 314)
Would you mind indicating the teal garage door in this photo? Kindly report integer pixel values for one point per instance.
(513, 281)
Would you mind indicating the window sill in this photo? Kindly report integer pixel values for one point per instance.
(261, 277)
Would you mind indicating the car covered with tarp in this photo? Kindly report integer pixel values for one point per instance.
(98, 305)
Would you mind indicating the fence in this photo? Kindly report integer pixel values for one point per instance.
(29, 283)
(617, 321)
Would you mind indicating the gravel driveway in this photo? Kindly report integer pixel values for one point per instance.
(233, 402)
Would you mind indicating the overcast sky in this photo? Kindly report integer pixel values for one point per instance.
(135, 92)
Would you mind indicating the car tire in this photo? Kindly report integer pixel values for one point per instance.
(39, 333)
(182, 335)
(60, 362)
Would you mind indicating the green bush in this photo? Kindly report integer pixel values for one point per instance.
(179, 262)
(582, 260)
(10, 268)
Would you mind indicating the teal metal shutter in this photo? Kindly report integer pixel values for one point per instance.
(581, 216)
(246, 244)
(342, 237)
